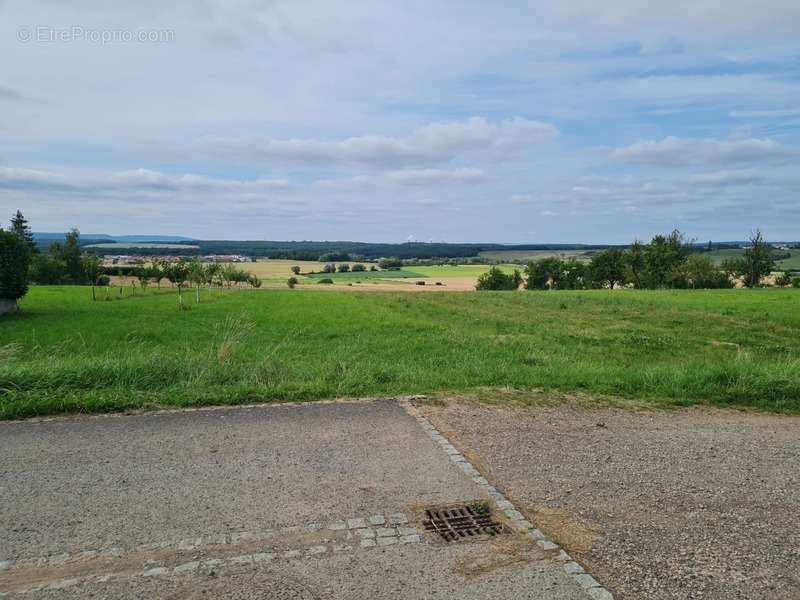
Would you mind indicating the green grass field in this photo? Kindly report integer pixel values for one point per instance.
(65, 353)
(787, 264)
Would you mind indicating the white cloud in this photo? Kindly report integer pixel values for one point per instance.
(726, 178)
(433, 144)
(677, 152)
(131, 182)
(520, 198)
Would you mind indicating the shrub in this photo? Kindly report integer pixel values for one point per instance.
(343, 268)
(373, 268)
(296, 270)
(796, 282)
(358, 268)
(420, 282)
(390, 264)
(495, 279)
(15, 258)
(783, 280)
(326, 280)
(291, 282)
(329, 268)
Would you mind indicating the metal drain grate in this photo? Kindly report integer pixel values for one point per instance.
(462, 522)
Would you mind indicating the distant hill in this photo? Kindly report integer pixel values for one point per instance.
(56, 236)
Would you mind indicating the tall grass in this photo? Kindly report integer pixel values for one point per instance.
(64, 353)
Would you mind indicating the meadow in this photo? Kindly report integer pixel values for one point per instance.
(792, 263)
(65, 353)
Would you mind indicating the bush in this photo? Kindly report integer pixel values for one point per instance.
(796, 282)
(390, 264)
(373, 268)
(326, 280)
(495, 279)
(783, 280)
(291, 282)
(15, 259)
(103, 280)
(329, 268)
(343, 268)
(358, 268)
(296, 270)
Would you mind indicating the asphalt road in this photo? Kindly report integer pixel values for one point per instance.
(320, 501)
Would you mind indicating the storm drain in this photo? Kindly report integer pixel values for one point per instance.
(462, 522)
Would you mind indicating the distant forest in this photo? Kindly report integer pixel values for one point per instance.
(328, 250)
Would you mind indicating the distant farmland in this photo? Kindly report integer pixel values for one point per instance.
(787, 264)
(526, 255)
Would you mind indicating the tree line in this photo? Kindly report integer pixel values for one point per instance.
(666, 262)
(63, 263)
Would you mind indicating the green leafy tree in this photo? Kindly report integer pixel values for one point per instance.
(177, 273)
(291, 282)
(390, 264)
(636, 262)
(573, 275)
(700, 272)
(544, 274)
(254, 281)
(607, 268)
(358, 268)
(758, 259)
(783, 280)
(93, 268)
(664, 256)
(144, 274)
(343, 268)
(15, 256)
(19, 225)
(197, 275)
(296, 270)
(329, 268)
(495, 279)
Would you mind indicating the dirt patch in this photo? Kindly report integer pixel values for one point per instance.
(504, 552)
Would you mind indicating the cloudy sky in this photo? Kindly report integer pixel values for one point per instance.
(548, 121)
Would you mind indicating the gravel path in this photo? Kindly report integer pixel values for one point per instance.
(697, 503)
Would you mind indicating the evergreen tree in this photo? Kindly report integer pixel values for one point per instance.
(19, 225)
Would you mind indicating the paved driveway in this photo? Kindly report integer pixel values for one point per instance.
(321, 501)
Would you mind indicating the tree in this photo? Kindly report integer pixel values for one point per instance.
(343, 268)
(758, 259)
(19, 225)
(93, 267)
(178, 273)
(197, 275)
(574, 275)
(390, 264)
(296, 270)
(495, 279)
(700, 272)
(291, 282)
(71, 254)
(783, 280)
(636, 262)
(373, 268)
(15, 257)
(607, 268)
(663, 258)
(543, 274)
(254, 281)
(144, 274)
(329, 268)
(358, 268)
(158, 271)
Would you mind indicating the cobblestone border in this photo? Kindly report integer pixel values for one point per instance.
(361, 532)
(574, 570)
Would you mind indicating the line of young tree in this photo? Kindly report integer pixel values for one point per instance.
(667, 261)
(63, 263)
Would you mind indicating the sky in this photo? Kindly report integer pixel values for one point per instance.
(518, 122)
